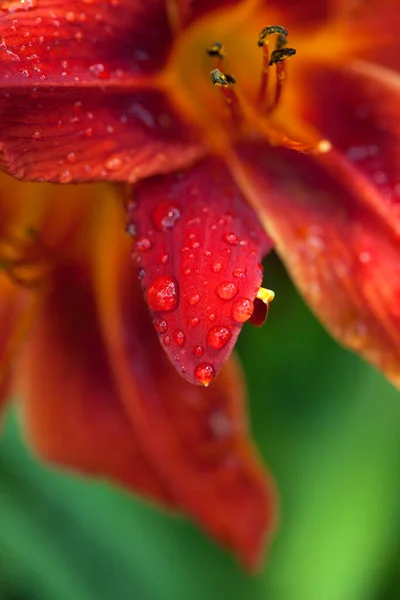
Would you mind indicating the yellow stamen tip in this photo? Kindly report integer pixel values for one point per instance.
(265, 295)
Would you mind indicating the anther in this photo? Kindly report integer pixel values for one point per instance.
(218, 78)
(216, 50)
(270, 30)
(230, 78)
(280, 54)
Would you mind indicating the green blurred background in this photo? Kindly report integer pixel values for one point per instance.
(329, 427)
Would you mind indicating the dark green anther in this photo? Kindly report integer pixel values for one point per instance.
(281, 54)
(270, 30)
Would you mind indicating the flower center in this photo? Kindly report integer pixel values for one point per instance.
(227, 74)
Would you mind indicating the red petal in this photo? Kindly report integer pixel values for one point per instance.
(341, 251)
(69, 134)
(75, 101)
(358, 109)
(48, 38)
(197, 438)
(198, 252)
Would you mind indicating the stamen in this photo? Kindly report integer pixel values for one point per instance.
(276, 58)
(25, 263)
(221, 80)
(216, 50)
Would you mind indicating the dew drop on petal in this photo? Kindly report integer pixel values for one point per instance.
(195, 299)
(218, 337)
(160, 324)
(163, 294)
(65, 177)
(227, 290)
(179, 337)
(166, 340)
(194, 322)
(143, 244)
(217, 266)
(231, 238)
(198, 351)
(165, 216)
(242, 309)
(204, 373)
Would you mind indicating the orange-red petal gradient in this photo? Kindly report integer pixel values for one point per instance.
(197, 236)
(16, 307)
(196, 438)
(340, 248)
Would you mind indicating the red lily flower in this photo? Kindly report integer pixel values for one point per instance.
(120, 90)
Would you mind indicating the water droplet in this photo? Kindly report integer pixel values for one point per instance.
(100, 71)
(65, 177)
(140, 273)
(131, 229)
(218, 337)
(71, 157)
(143, 244)
(204, 373)
(198, 351)
(242, 309)
(239, 273)
(164, 259)
(166, 340)
(231, 238)
(194, 322)
(165, 216)
(187, 271)
(227, 290)
(217, 266)
(160, 324)
(179, 337)
(194, 299)
(113, 163)
(37, 135)
(364, 257)
(163, 294)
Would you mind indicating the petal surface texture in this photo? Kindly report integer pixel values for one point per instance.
(101, 396)
(198, 249)
(77, 92)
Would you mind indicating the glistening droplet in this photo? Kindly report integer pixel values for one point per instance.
(218, 337)
(204, 373)
(163, 294)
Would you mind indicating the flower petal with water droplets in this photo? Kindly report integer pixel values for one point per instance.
(196, 438)
(197, 251)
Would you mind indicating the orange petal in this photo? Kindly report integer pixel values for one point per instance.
(341, 250)
(196, 438)
(73, 412)
(16, 311)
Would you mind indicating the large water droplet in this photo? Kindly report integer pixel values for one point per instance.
(163, 294)
(204, 373)
(165, 216)
(218, 337)
(227, 290)
(179, 337)
(242, 309)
